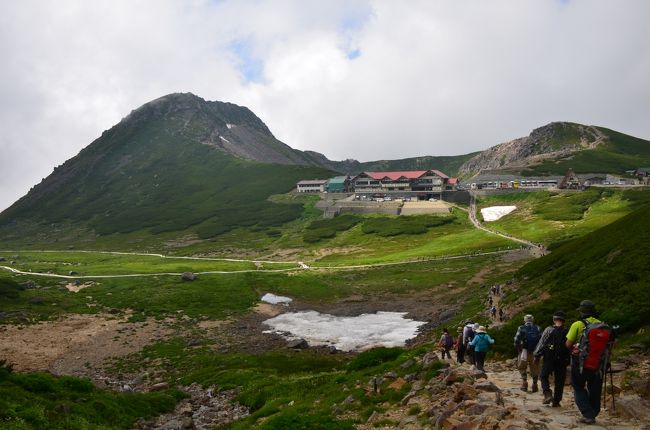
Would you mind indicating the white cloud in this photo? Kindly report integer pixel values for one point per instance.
(430, 77)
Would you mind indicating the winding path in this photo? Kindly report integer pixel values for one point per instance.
(538, 250)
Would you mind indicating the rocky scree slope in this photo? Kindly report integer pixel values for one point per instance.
(555, 140)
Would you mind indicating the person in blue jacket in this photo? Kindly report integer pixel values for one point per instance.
(481, 344)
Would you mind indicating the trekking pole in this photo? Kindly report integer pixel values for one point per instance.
(611, 380)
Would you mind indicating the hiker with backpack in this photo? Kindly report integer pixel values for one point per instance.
(556, 356)
(590, 341)
(459, 347)
(481, 344)
(468, 333)
(526, 339)
(468, 342)
(446, 343)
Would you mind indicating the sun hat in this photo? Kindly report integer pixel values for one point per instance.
(476, 326)
(529, 318)
(481, 329)
(587, 307)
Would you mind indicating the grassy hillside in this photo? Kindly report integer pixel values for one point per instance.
(446, 164)
(149, 175)
(554, 217)
(610, 266)
(622, 152)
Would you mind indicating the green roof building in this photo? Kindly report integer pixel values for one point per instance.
(338, 184)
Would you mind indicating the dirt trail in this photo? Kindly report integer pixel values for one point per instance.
(530, 409)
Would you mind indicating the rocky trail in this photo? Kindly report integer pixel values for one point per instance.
(462, 398)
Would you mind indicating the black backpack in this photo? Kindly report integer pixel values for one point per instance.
(532, 336)
(555, 348)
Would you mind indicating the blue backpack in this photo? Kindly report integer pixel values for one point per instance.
(533, 336)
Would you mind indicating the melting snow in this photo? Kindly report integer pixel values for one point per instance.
(346, 333)
(494, 213)
(274, 300)
(230, 126)
(224, 139)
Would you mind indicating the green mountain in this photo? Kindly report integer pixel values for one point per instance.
(609, 266)
(176, 162)
(558, 146)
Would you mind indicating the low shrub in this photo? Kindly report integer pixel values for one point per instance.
(374, 357)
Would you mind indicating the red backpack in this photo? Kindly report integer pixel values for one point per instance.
(595, 344)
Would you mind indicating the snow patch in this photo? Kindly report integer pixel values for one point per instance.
(224, 139)
(230, 126)
(494, 213)
(275, 300)
(362, 332)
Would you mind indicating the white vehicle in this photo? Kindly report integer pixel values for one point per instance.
(380, 200)
(432, 199)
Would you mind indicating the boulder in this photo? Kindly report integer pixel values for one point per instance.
(194, 342)
(487, 386)
(2, 259)
(36, 301)
(28, 284)
(397, 384)
(159, 386)
(633, 407)
(408, 363)
(298, 344)
(428, 359)
(188, 276)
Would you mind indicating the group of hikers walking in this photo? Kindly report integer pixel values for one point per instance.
(585, 345)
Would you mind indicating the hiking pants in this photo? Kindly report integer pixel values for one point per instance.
(529, 364)
(460, 356)
(479, 359)
(587, 387)
(558, 369)
(470, 354)
(445, 351)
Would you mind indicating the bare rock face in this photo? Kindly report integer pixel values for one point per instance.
(557, 139)
(188, 276)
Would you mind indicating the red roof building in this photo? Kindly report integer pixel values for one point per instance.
(412, 180)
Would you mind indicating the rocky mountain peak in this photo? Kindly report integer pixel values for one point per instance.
(554, 140)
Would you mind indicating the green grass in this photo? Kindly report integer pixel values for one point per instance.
(61, 262)
(42, 401)
(395, 226)
(609, 266)
(327, 228)
(622, 152)
(555, 217)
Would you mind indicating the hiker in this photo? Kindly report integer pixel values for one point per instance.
(468, 334)
(502, 314)
(493, 311)
(526, 340)
(481, 344)
(589, 341)
(459, 346)
(446, 343)
(490, 301)
(469, 349)
(556, 356)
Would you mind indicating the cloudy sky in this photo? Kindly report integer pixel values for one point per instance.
(361, 79)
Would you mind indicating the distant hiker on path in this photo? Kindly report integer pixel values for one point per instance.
(493, 311)
(556, 356)
(589, 340)
(446, 343)
(502, 314)
(526, 340)
(481, 344)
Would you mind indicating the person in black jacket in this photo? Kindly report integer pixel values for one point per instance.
(556, 356)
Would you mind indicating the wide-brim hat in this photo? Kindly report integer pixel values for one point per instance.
(587, 307)
(481, 329)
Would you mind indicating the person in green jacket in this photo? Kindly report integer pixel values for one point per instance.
(481, 344)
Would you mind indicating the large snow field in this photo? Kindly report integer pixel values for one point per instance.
(494, 213)
(362, 332)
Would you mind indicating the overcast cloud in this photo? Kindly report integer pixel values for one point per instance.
(360, 79)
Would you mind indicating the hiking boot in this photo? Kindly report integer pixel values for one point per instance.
(585, 420)
(548, 397)
(535, 387)
(556, 405)
(524, 386)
